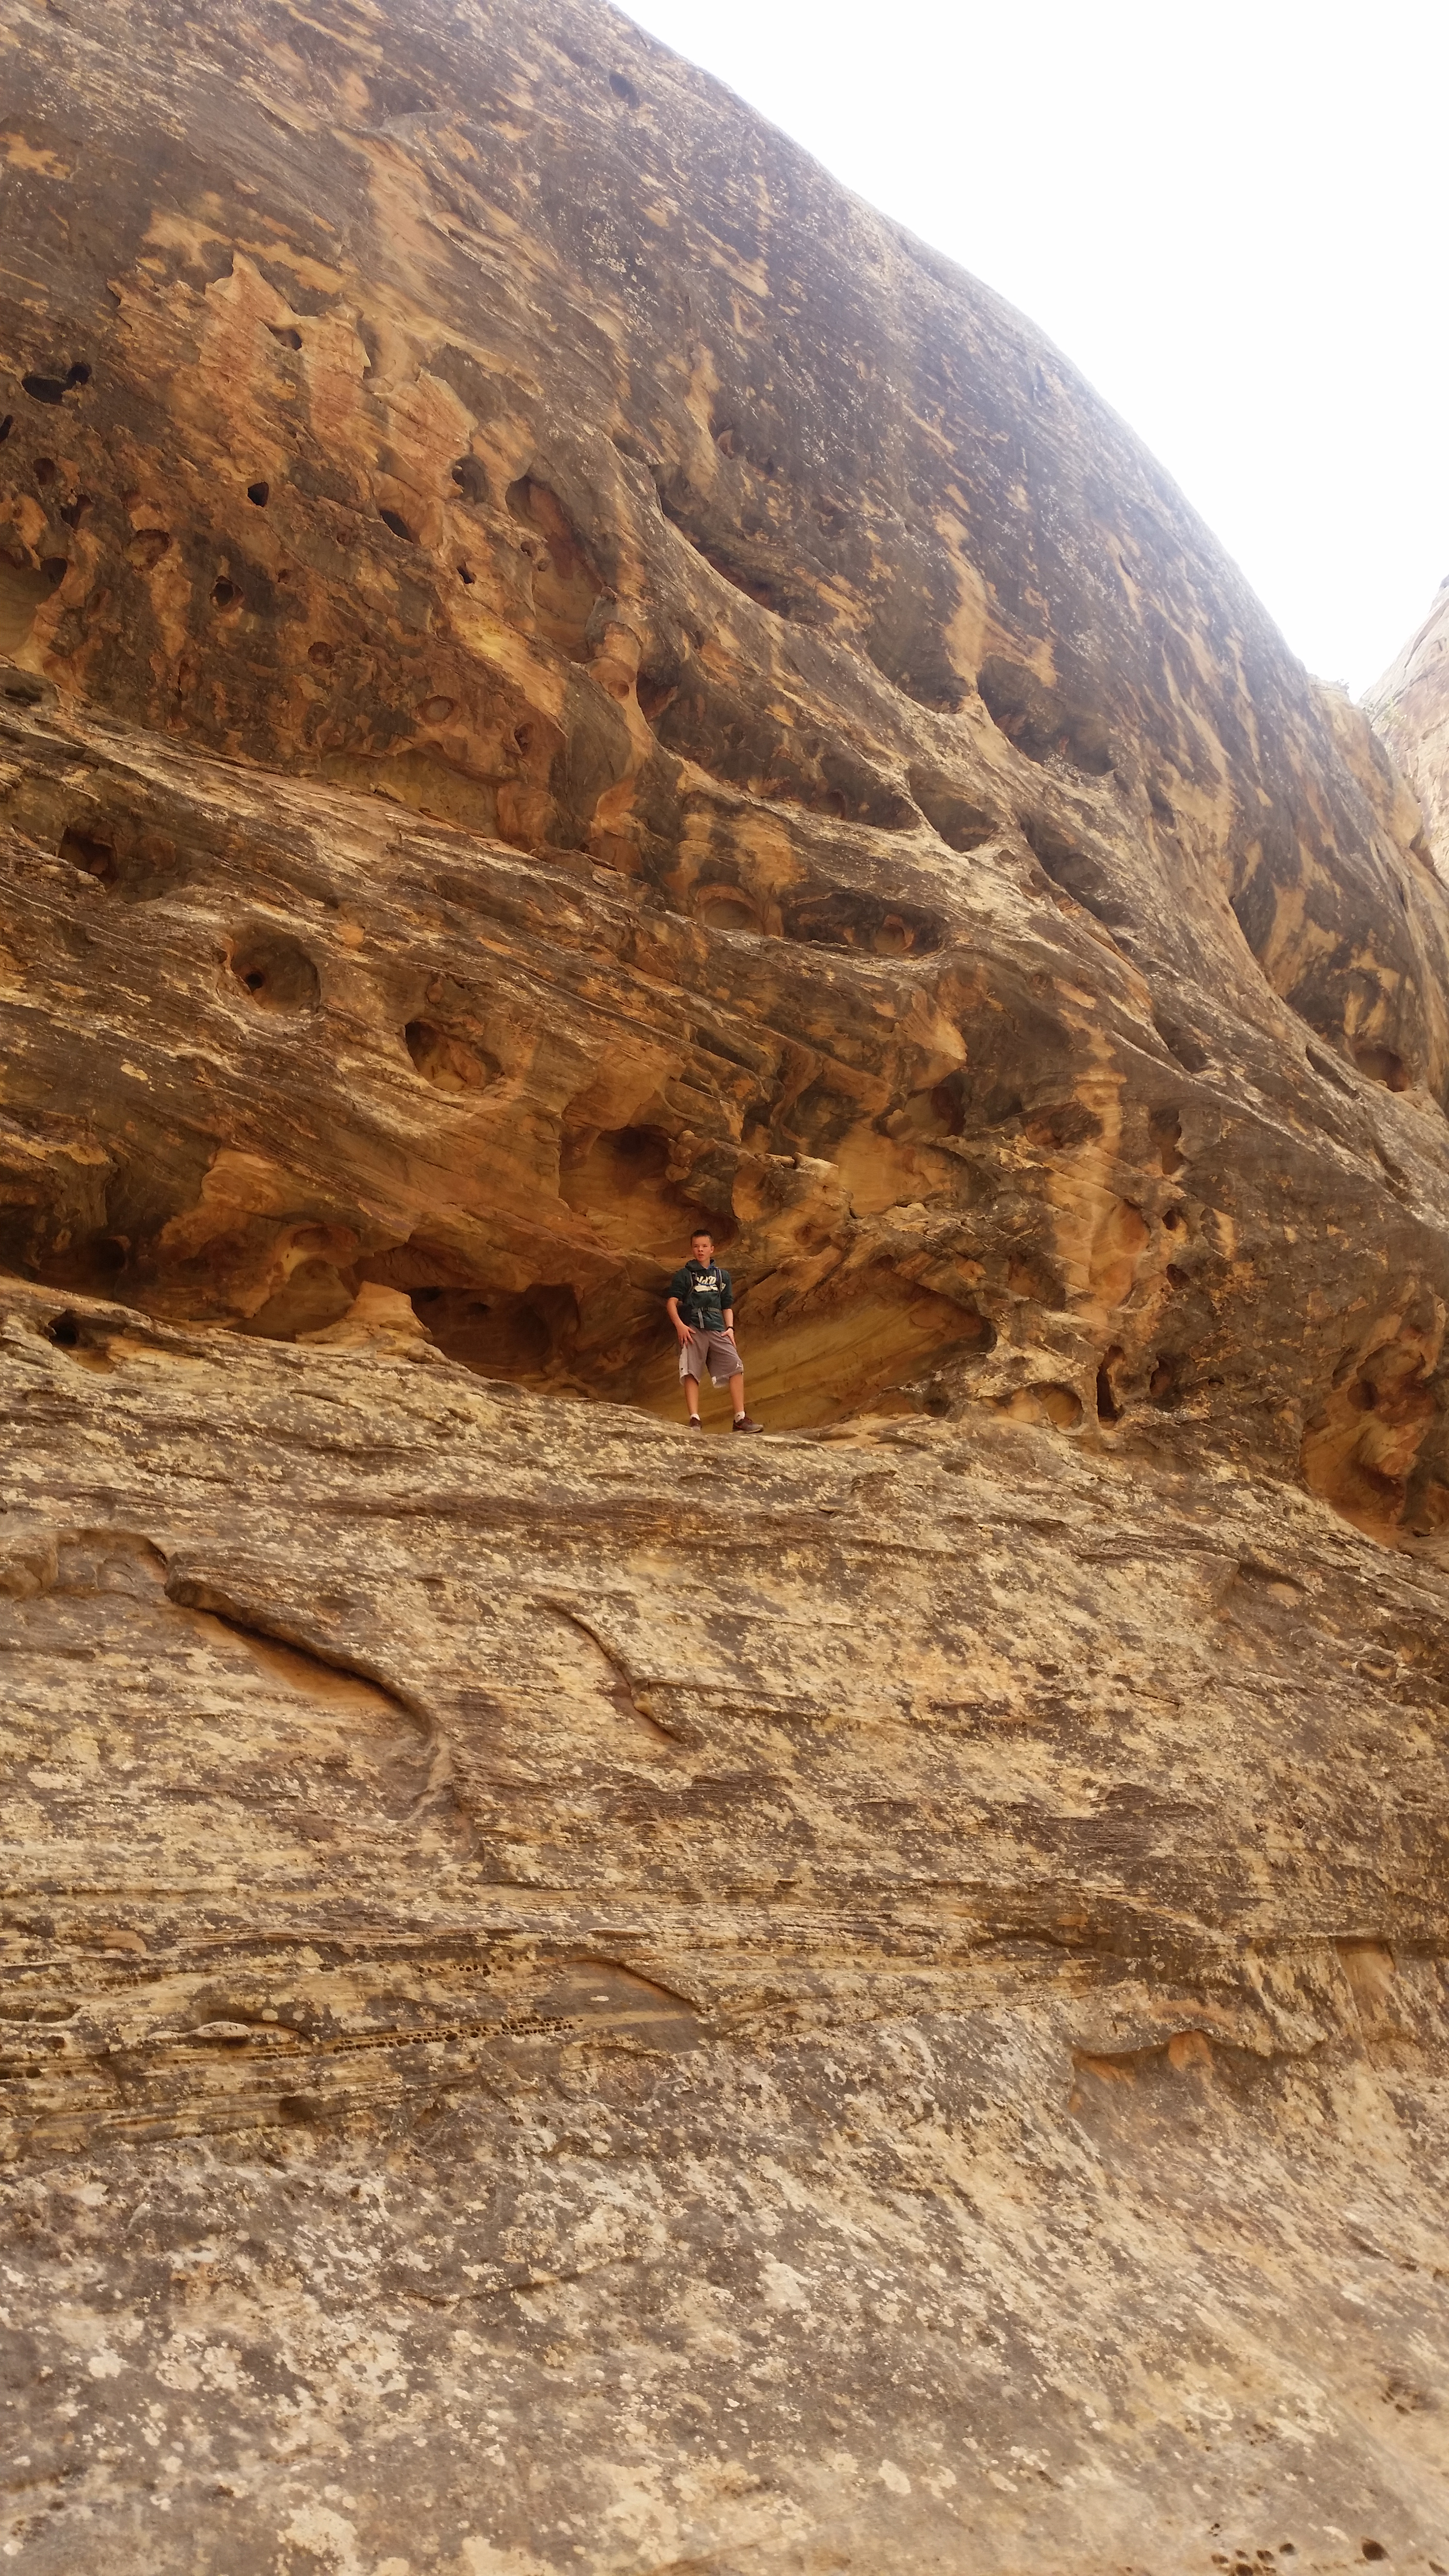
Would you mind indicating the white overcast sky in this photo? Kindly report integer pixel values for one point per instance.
(1233, 217)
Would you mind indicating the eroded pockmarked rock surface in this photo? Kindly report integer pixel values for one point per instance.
(870, 2000)
(823, 778)
(924, 2049)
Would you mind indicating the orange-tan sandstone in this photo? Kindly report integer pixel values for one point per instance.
(866, 2000)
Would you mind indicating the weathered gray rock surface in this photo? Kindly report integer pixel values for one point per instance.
(1409, 708)
(868, 2000)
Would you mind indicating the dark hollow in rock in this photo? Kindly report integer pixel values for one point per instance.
(1108, 1408)
(1381, 1064)
(89, 850)
(525, 1336)
(565, 582)
(275, 971)
(844, 917)
(447, 1059)
(471, 480)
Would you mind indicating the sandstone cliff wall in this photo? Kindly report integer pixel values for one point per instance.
(572, 2000)
(1409, 708)
(597, 682)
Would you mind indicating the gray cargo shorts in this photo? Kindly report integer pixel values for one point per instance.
(714, 1351)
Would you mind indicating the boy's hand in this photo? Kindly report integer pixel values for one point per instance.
(682, 1330)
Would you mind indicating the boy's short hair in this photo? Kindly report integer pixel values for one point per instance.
(701, 1234)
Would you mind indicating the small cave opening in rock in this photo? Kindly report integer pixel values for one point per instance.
(394, 519)
(45, 471)
(43, 389)
(1381, 1064)
(526, 1336)
(725, 911)
(225, 593)
(566, 583)
(124, 853)
(259, 494)
(284, 335)
(275, 971)
(449, 1060)
(844, 917)
(91, 851)
(654, 694)
(471, 480)
(1109, 1410)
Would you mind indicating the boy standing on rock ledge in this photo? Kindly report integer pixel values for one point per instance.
(701, 1306)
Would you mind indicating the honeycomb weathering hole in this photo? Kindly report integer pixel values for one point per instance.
(275, 971)
(723, 909)
(525, 1335)
(1381, 1064)
(89, 851)
(446, 1060)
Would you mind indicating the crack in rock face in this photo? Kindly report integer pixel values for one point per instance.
(874, 2003)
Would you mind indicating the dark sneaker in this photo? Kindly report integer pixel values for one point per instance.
(694, 1422)
(747, 1422)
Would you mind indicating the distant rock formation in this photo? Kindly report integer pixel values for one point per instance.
(1409, 709)
(575, 2000)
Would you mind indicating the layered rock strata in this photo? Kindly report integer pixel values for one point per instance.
(573, 2001)
(598, 683)
(875, 2003)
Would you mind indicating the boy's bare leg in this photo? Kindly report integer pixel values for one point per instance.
(737, 1392)
(691, 1396)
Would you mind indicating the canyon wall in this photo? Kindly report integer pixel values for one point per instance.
(1409, 708)
(573, 2001)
